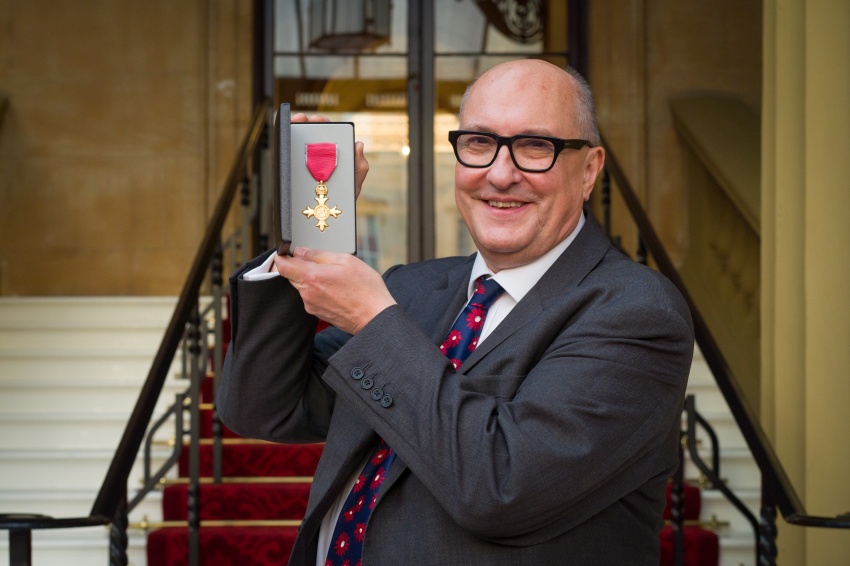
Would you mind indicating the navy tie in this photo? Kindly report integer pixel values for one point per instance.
(464, 335)
(347, 543)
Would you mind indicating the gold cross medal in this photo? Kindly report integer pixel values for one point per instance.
(321, 161)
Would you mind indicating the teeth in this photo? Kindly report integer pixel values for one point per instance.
(499, 204)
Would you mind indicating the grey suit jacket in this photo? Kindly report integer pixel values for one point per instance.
(552, 444)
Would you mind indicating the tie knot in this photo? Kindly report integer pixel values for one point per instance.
(486, 292)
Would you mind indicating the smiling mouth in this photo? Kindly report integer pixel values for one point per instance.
(499, 204)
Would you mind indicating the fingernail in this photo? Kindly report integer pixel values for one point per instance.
(299, 251)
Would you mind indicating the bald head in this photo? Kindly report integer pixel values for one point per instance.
(566, 89)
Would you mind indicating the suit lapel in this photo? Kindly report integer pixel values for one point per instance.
(436, 310)
(579, 259)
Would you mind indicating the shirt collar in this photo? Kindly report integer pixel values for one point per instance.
(518, 281)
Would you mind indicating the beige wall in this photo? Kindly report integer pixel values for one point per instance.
(123, 117)
(645, 52)
(805, 243)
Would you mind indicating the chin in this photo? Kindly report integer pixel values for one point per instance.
(499, 249)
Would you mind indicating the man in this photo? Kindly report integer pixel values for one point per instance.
(553, 441)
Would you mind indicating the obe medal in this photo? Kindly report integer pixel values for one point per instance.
(321, 162)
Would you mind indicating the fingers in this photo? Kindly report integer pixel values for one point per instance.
(301, 117)
(336, 287)
(361, 168)
(304, 260)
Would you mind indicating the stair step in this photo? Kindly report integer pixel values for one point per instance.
(80, 469)
(700, 546)
(222, 546)
(714, 503)
(702, 385)
(259, 460)
(76, 547)
(69, 502)
(737, 468)
(55, 366)
(213, 523)
(235, 441)
(247, 479)
(83, 339)
(67, 396)
(239, 501)
(52, 311)
(206, 426)
(66, 430)
(737, 550)
(691, 505)
(724, 426)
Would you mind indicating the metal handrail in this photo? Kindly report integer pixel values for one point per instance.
(116, 477)
(778, 490)
(112, 494)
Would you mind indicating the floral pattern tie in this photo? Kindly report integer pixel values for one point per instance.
(350, 531)
(464, 335)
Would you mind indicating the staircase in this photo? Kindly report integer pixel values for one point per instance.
(252, 516)
(70, 371)
(737, 468)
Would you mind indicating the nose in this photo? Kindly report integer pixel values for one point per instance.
(503, 173)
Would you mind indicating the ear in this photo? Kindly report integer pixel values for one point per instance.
(593, 164)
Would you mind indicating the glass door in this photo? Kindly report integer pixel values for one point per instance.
(347, 60)
(398, 70)
(471, 36)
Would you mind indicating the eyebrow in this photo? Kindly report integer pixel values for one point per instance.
(529, 132)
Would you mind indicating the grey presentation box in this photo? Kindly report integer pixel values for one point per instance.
(300, 210)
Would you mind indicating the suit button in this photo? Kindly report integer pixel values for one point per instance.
(377, 393)
(367, 383)
(357, 373)
(386, 401)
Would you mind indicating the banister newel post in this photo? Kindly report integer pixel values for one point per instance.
(194, 491)
(677, 508)
(766, 551)
(118, 534)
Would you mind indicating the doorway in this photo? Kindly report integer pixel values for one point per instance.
(398, 70)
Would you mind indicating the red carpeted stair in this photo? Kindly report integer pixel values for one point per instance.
(271, 482)
(249, 518)
(701, 546)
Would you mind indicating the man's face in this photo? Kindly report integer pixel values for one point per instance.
(515, 217)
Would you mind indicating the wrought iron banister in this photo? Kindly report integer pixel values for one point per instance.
(112, 495)
(122, 462)
(777, 488)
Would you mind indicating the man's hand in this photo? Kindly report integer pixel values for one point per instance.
(338, 288)
(361, 166)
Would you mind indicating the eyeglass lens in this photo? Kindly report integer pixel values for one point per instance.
(529, 152)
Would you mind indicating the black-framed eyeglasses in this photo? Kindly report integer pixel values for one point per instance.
(533, 154)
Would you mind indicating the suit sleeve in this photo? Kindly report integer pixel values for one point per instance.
(517, 452)
(271, 384)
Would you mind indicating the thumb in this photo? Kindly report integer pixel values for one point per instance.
(312, 255)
